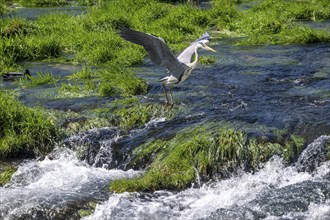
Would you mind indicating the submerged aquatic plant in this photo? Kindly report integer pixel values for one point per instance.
(76, 89)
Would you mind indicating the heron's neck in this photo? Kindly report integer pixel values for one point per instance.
(194, 63)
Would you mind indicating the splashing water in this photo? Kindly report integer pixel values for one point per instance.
(53, 184)
(237, 193)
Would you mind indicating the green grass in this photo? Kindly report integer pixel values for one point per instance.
(92, 40)
(116, 80)
(209, 151)
(24, 131)
(128, 113)
(6, 174)
(3, 7)
(135, 115)
(93, 37)
(38, 79)
(85, 73)
(15, 26)
(74, 90)
(274, 22)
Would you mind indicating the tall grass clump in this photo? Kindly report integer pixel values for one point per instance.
(132, 115)
(93, 37)
(39, 79)
(85, 73)
(275, 22)
(6, 174)
(3, 7)
(149, 16)
(224, 13)
(199, 152)
(24, 131)
(116, 80)
(15, 26)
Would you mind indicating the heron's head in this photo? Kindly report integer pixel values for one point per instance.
(204, 46)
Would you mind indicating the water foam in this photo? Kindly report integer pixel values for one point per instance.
(51, 184)
(196, 203)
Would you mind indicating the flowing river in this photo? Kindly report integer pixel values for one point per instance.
(256, 88)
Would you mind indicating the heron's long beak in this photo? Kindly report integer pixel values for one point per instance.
(209, 48)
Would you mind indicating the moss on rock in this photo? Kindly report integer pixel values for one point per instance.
(199, 152)
(6, 174)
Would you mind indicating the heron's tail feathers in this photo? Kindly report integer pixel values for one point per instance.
(169, 80)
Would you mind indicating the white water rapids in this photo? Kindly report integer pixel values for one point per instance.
(47, 189)
(196, 203)
(53, 184)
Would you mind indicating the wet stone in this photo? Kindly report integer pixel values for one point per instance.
(95, 146)
(314, 154)
(278, 202)
(293, 198)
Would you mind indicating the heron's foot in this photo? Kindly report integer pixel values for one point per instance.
(168, 105)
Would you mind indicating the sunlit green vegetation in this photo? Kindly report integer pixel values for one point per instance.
(38, 79)
(6, 174)
(200, 152)
(274, 22)
(121, 81)
(3, 7)
(24, 131)
(92, 41)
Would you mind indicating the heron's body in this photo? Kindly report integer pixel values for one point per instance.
(15, 75)
(179, 67)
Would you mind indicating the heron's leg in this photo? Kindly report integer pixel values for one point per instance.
(171, 102)
(165, 94)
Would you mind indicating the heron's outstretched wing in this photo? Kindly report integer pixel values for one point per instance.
(186, 55)
(157, 49)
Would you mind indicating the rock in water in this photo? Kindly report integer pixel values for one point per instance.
(95, 146)
(314, 154)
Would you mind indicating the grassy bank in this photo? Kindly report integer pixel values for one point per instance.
(273, 22)
(202, 152)
(93, 40)
(24, 132)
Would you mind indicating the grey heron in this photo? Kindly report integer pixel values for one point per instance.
(179, 67)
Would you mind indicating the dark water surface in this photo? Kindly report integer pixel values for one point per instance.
(284, 87)
(34, 13)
